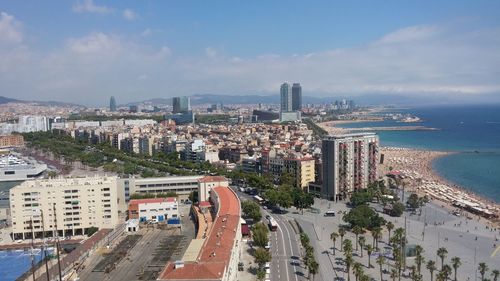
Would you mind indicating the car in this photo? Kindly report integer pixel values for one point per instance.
(267, 217)
(267, 265)
(268, 246)
(240, 266)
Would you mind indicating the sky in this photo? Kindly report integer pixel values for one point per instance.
(85, 51)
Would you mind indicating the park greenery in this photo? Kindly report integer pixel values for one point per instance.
(364, 217)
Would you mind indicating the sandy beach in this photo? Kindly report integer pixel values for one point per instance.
(416, 167)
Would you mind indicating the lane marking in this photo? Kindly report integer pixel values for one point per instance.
(495, 252)
(284, 250)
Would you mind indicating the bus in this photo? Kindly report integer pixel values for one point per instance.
(273, 225)
(258, 199)
(330, 213)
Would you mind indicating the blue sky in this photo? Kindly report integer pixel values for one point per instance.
(85, 50)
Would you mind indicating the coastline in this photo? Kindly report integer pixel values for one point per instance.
(417, 165)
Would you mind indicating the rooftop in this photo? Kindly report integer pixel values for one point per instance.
(217, 248)
(152, 200)
(212, 179)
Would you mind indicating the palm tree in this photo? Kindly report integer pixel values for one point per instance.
(348, 262)
(357, 269)
(446, 271)
(482, 269)
(347, 246)
(390, 227)
(431, 266)
(376, 233)
(495, 273)
(341, 233)
(442, 252)
(456, 263)
(357, 230)
(394, 274)
(334, 236)
(369, 250)
(361, 242)
(380, 262)
(419, 259)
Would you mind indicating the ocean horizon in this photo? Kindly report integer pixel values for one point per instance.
(471, 132)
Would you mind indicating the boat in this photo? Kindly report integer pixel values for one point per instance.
(13, 168)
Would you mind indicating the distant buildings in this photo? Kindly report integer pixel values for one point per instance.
(181, 104)
(291, 102)
(349, 163)
(26, 124)
(112, 104)
(72, 205)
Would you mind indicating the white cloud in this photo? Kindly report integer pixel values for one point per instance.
(411, 61)
(129, 14)
(94, 43)
(10, 29)
(210, 52)
(88, 6)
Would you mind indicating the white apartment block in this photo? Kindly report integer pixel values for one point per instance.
(72, 205)
(159, 209)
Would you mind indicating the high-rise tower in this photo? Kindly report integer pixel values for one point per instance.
(296, 97)
(112, 104)
(286, 98)
(349, 163)
(181, 104)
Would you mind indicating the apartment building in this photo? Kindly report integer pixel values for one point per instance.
(70, 205)
(349, 163)
(301, 169)
(11, 141)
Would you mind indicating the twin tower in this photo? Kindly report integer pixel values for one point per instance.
(291, 102)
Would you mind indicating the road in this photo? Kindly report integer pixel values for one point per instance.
(286, 263)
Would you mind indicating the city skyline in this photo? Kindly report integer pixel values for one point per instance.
(443, 50)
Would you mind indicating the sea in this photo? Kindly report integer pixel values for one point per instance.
(472, 132)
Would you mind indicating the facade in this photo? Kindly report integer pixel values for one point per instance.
(217, 257)
(11, 141)
(286, 98)
(181, 104)
(112, 104)
(182, 186)
(301, 169)
(296, 97)
(349, 163)
(206, 184)
(291, 116)
(72, 205)
(159, 209)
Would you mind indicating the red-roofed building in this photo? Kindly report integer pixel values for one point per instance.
(219, 255)
(159, 209)
(206, 184)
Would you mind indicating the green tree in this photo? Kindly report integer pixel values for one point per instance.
(380, 261)
(442, 252)
(369, 250)
(394, 274)
(397, 209)
(455, 263)
(483, 268)
(334, 236)
(92, 230)
(260, 235)
(419, 259)
(348, 263)
(341, 233)
(313, 267)
(495, 273)
(357, 230)
(251, 210)
(362, 242)
(261, 274)
(431, 266)
(357, 269)
(261, 257)
(390, 226)
(364, 217)
(347, 246)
